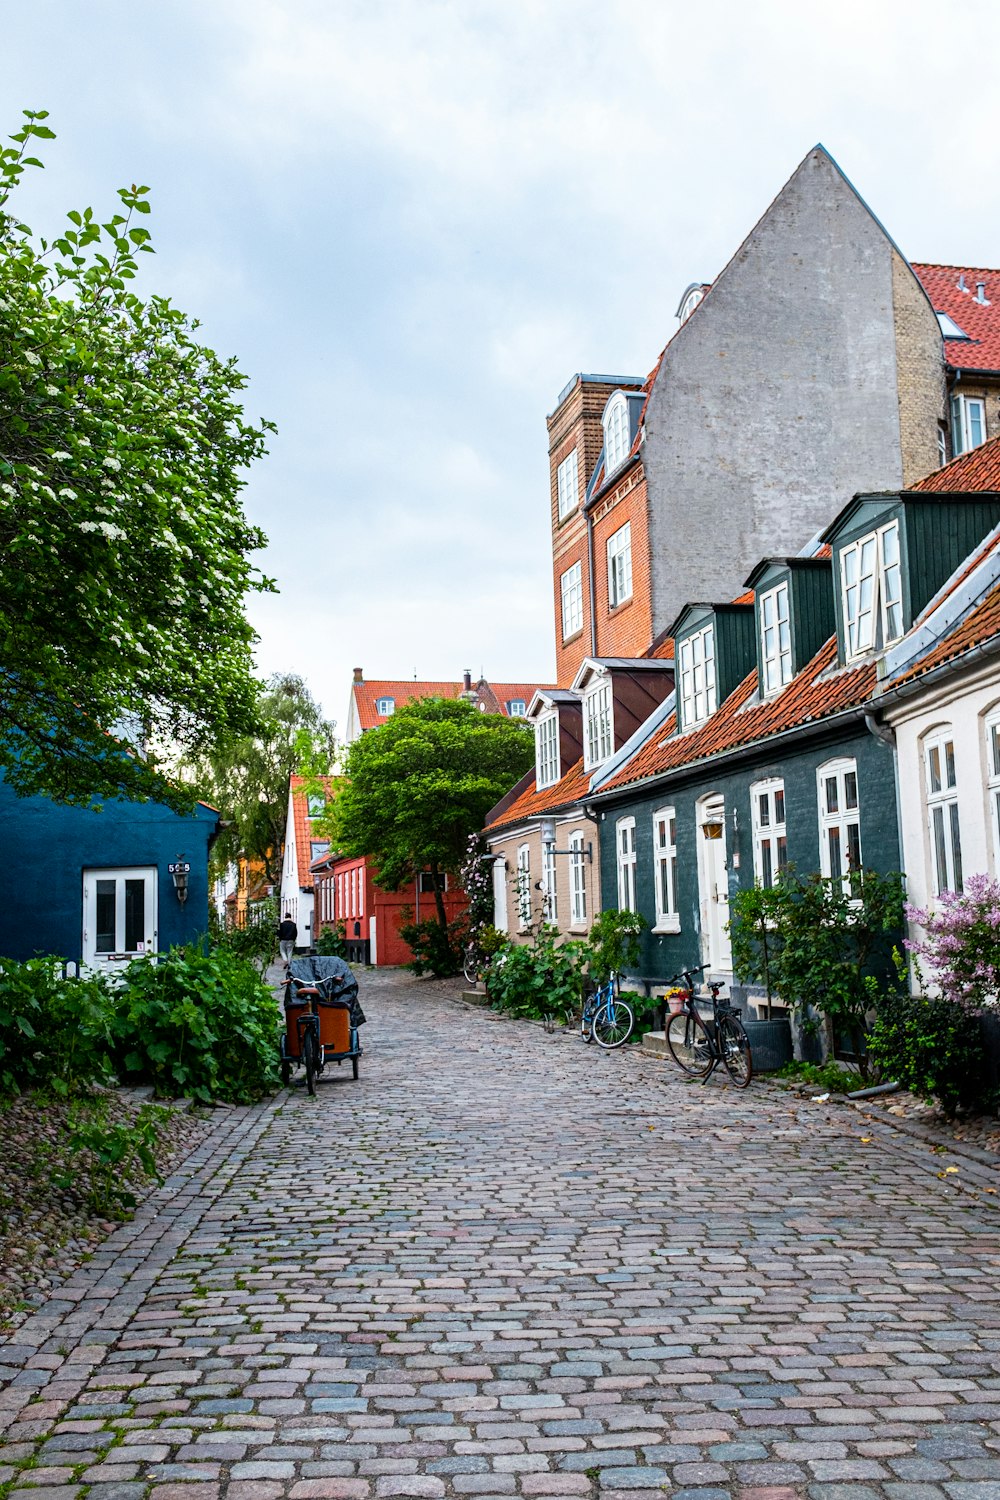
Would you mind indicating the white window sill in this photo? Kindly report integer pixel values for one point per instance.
(579, 929)
(667, 924)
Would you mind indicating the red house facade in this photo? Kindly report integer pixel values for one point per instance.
(345, 891)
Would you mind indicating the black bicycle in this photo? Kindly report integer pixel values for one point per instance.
(699, 1047)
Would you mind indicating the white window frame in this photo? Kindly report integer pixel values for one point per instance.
(385, 707)
(944, 828)
(315, 804)
(774, 607)
(577, 880)
(516, 708)
(571, 597)
(626, 860)
(500, 918)
(842, 820)
(550, 896)
(696, 658)
(620, 566)
(968, 413)
(616, 433)
(992, 730)
(665, 870)
(522, 887)
(547, 750)
(568, 484)
(770, 838)
(871, 572)
(598, 724)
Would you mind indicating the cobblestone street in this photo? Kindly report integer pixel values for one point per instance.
(504, 1263)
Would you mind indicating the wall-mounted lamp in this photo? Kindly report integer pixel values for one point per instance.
(712, 827)
(180, 870)
(548, 832)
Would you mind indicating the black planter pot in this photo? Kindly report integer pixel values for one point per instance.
(770, 1044)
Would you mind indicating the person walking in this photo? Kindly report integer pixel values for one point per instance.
(287, 933)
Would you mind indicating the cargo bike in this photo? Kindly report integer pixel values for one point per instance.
(322, 1017)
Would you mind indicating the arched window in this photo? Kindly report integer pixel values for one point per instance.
(993, 780)
(941, 791)
(616, 432)
(770, 849)
(577, 881)
(839, 822)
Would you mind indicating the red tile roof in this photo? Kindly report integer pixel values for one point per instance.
(532, 803)
(980, 320)
(978, 470)
(978, 626)
(367, 693)
(816, 693)
(300, 814)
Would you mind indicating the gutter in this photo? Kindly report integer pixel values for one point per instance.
(957, 664)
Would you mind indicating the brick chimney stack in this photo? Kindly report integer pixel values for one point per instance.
(359, 675)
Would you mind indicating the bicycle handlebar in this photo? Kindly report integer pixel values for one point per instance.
(688, 974)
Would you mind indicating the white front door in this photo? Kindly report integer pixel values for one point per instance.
(119, 916)
(713, 878)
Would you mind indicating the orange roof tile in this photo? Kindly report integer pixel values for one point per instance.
(977, 471)
(816, 693)
(367, 694)
(980, 320)
(978, 626)
(300, 814)
(532, 803)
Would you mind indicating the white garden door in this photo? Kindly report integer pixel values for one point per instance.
(713, 879)
(119, 916)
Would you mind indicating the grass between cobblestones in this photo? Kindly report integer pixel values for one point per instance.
(501, 1264)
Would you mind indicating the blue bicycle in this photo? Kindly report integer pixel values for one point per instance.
(607, 1019)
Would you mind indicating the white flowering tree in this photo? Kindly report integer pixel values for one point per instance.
(124, 550)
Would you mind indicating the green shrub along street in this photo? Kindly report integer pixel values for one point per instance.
(199, 1024)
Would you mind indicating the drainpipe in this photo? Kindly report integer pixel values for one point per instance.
(590, 583)
(887, 736)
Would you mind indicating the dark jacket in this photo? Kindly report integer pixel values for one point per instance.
(287, 932)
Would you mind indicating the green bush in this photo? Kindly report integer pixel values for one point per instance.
(612, 944)
(55, 1032)
(198, 1024)
(115, 1154)
(257, 941)
(332, 941)
(434, 947)
(538, 979)
(829, 1075)
(933, 1048)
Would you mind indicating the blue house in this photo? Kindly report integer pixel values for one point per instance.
(96, 887)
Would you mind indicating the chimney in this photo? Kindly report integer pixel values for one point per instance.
(467, 681)
(961, 283)
(359, 675)
(981, 291)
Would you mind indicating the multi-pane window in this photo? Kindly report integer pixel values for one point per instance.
(385, 706)
(665, 866)
(597, 726)
(577, 881)
(571, 588)
(775, 640)
(315, 804)
(839, 822)
(616, 443)
(770, 847)
(568, 484)
(942, 812)
(620, 566)
(516, 708)
(968, 423)
(550, 905)
(697, 663)
(522, 890)
(625, 844)
(500, 895)
(871, 582)
(993, 781)
(547, 750)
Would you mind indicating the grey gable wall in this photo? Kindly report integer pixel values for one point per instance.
(779, 398)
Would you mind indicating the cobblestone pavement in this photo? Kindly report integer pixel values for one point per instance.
(503, 1263)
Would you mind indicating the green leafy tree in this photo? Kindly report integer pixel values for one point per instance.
(124, 550)
(246, 777)
(421, 784)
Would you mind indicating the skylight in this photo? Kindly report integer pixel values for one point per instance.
(949, 327)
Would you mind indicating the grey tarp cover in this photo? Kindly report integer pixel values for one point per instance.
(334, 979)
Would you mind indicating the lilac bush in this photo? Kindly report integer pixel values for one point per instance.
(961, 947)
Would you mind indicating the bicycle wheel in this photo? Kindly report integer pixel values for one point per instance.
(613, 1024)
(587, 1024)
(688, 1043)
(470, 966)
(310, 1058)
(734, 1044)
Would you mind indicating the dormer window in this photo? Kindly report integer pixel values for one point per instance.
(385, 707)
(516, 708)
(598, 737)
(871, 585)
(547, 751)
(696, 657)
(568, 485)
(775, 640)
(616, 433)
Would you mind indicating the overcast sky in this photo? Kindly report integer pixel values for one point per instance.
(413, 220)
